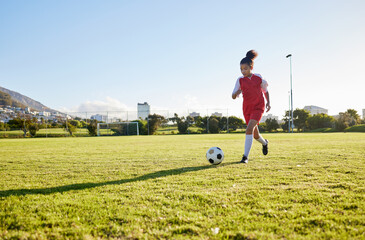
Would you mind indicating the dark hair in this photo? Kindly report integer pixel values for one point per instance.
(250, 56)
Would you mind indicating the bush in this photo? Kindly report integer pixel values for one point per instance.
(356, 128)
(324, 130)
(142, 127)
(182, 126)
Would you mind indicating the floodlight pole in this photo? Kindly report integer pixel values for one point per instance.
(289, 114)
(291, 95)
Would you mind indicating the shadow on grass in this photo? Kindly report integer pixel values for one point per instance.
(81, 186)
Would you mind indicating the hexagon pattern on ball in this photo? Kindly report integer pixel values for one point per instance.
(215, 155)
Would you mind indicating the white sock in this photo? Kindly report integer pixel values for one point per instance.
(248, 144)
(261, 140)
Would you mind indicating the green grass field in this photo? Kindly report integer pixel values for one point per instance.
(310, 186)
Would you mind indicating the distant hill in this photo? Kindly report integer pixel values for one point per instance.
(19, 100)
(6, 100)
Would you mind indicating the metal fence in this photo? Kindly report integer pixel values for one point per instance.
(125, 116)
(109, 117)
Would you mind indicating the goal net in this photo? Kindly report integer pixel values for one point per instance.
(117, 129)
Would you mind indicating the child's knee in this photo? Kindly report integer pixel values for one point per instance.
(249, 131)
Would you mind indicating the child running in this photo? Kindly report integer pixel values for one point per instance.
(253, 87)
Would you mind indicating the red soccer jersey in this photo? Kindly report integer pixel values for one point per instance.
(252, 91)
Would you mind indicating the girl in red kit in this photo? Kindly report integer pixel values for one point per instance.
(253, 87)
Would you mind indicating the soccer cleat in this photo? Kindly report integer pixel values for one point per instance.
(244, 159)
(265, 149)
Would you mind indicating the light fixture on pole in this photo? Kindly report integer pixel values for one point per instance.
(291, 95)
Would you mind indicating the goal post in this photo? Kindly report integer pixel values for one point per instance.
(118, 129)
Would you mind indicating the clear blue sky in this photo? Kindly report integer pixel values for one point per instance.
(80, 55)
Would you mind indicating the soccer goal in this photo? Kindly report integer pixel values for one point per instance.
(117, 129)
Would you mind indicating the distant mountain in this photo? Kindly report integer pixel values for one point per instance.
(6, 100)
(19, 100)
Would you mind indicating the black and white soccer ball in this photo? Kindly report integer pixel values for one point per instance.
(215, 155)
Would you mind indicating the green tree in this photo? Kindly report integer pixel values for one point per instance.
(182, 124)
(142, 127)
(300, 119)
(154, 122)
(235, 123)
(222, 123)
(263, 127)
(71, 129)
(33, 129)
(174, 119)
(4, 126)
(92, 127)
(213, 125)
(284, 126)
(271, 124)
(198, 121)
(355, 117)
(344, 121)
(20, 123)
(76, 123)
(286, 119)
(83, 124)
(202, 123)
(320, 121)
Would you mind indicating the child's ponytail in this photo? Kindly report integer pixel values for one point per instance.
(250, 56)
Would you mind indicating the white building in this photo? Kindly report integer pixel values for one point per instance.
(44, 114)
(268, 116)
(98, 117)
(315, 110)
(194, 114)
(217, 114)
(143, 110)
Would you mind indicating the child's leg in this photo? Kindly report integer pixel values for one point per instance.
(264, 142)
(249, 138)
(258, 137)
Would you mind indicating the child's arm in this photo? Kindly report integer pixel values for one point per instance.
(236, 94)
(267, 96)
(237, 89)
(266, 93)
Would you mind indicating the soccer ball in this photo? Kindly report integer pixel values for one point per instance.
(215, 155)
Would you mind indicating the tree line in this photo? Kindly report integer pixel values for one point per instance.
(303, 121)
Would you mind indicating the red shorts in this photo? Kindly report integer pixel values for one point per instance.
(253, 112)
